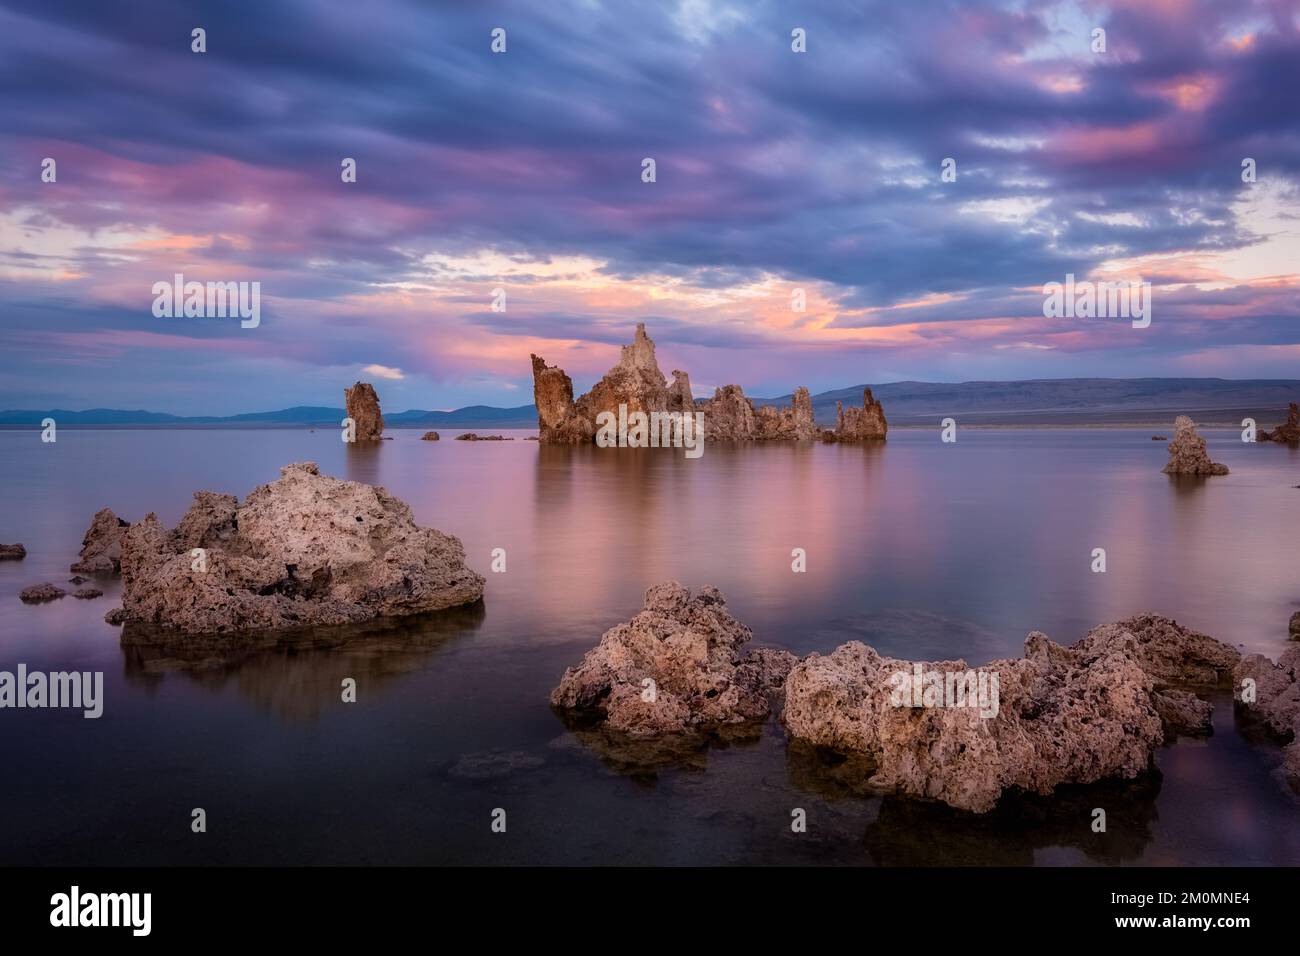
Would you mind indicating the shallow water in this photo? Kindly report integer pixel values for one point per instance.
(923, 549)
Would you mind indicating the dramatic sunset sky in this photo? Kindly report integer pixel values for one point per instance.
(776, 171)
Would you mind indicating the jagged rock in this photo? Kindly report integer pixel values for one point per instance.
(40, 593)
(689, 647)
(77, 579)
(637, 383)
(86, 594)
(1064, 714)
(12, 552)
(1062, 718)
(363, 408)
(1187, 454)
(301, 551)
(1170, 654)
(1277, 700)
(558, 420)
(115, 616)
(430, 436)
(680, 398)
(210, 522)
(1290, 432)
(101, 548)
(470, 436)
(787, 424)
(1182, 712)
(1293, 626)
(859, 424)
(729, 415)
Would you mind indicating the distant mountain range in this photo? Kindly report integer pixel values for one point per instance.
(1067, 401)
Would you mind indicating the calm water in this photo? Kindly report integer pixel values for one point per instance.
(922, 549)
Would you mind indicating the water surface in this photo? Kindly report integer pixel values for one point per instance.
(923, 549)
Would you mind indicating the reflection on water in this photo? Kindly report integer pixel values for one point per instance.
(293, 675)
(922, 549)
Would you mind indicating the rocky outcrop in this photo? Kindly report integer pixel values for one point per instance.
(1293, 626)
(304, 550)
(788, 424)
(680, 398)
(637, 383)
(1187, 454)
(12, 552)
(471, 436)
(729, 415)
(430, 436)
(362, 405)
(559, 421)
(674, 668)
(859, 424)
(40, 593)
(1289, 433)
(1064, 715)
(1273, 697)
(101, 548)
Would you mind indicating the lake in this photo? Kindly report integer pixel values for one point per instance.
(922, 549)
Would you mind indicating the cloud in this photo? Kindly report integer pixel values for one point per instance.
(383, 371)
(775, 170)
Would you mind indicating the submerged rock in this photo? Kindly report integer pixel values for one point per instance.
(12, 552)
(1289, 433)
(1060, 715)
(40, 593)
(304, 550)
(101, 548)
(430, 436)
(1187, 454)
(86, 594)
(674, 668)
(363, 408)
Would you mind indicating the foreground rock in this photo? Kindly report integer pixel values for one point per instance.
(1187, 454)
(101, 548)
(362, 405)
(1060, 715)
(674, 668)
(12, 552)
(637, 382)
(302, 551)
(430, 436)
(1289, 433)
(40, 593)
(1276, 692)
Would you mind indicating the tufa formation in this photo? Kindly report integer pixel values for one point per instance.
(729, 415)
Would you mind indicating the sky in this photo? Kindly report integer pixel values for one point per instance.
(523, 171)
